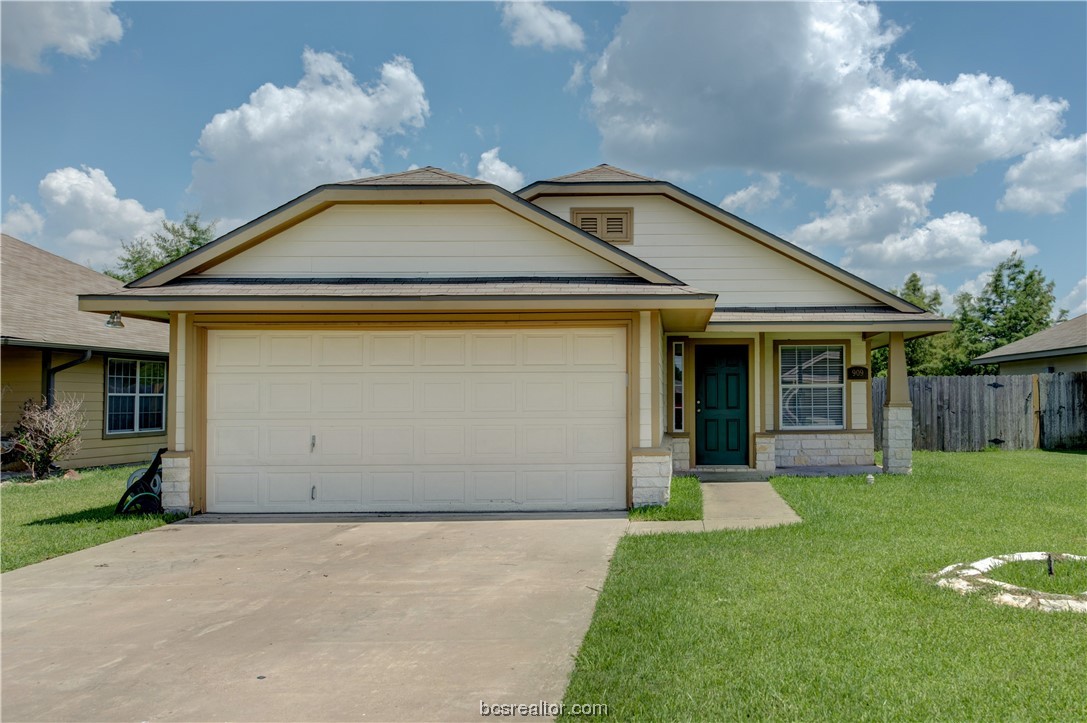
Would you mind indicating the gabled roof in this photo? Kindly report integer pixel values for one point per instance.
(617, 182)
(418, 186)
(1067, 337)
(426, 176)
(600, 174)
(40, 305)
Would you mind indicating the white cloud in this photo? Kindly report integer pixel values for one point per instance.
(76, 29)
(577, 78)
(951, 242)
(755, 196)
(287, 140)
(83, 219)
(974, 286)
(797, 87)
(22, 221)
(534, 23)
(857, 218)
(1047, 176)
(1075, 300)
(494, 170)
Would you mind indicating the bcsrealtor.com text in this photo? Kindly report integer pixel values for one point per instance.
(540, 709)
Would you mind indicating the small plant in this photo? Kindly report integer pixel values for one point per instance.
(47, 435)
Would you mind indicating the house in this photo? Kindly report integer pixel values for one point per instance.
(1060, 348)
(46, 341)
(428, 341)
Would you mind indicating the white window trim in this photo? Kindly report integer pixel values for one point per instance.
(781, 386)
(677, 387)
(136, 430)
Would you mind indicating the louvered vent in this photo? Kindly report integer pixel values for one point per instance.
(610, 224)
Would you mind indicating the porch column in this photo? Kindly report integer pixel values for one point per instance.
(898, 412)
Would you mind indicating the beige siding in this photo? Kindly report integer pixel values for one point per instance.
(85, 382)
(390, 240)
(20, 379)
(712, 257)
(1066, 364)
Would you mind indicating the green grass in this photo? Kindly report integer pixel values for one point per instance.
(46, 519)
(684, 503)
(1069, 576)
(836, 618)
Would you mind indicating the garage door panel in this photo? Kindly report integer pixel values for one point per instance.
(421, 420)
(287, 350)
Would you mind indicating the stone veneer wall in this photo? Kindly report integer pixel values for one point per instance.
(898, 439)
(651, 469)
(765, 452)
(175, 483)
(681, 452)
(824, 448)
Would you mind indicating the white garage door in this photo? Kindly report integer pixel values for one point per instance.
(416, 420)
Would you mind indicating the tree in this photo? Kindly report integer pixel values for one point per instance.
(1015, 303)
(922, 355)
(143, 255)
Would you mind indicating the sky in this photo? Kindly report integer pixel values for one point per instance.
(888, 138)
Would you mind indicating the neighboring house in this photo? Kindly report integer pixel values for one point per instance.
(428, 341)
(1060, 348)
(120, 374)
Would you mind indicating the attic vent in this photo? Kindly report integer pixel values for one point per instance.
(610, 224)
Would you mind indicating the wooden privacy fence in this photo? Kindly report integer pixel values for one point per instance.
(964, 414)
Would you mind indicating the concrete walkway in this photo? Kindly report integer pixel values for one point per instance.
(729, 506)
(352, 619)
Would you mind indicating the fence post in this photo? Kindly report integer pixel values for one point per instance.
(1036, 404)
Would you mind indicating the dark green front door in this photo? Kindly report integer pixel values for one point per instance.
(721, 405)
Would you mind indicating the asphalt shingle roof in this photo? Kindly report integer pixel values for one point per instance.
(1071, 334)
(38, 303)
(601, 174)
(846, 314)
(406, 288)
(427, 176)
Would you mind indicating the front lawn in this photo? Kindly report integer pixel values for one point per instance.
(835, 619)
(684, 503)
(45, 519)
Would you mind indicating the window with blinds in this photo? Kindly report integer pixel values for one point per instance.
(812, 387)
(613, 225)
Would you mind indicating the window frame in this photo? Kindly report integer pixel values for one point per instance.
(679, 409)
(781, 386)
(106, 394)
(576, 214)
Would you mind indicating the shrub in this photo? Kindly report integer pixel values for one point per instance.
(47, 435)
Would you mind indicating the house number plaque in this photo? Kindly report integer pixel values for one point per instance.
(857, 373)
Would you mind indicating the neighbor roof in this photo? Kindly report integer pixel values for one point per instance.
(601, 174)
(1067, 337)
(39, 305)
(426, 176)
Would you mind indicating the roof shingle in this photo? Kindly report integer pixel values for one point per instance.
(38, 303)
(426, 176)
(1071, 334)
(601, 174)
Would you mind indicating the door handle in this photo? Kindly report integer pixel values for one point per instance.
(313, 492)
(312, 442)
(698, 406)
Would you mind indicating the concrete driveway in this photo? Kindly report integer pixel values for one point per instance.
(322, 619)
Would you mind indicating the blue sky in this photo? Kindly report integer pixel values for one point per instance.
(888, 138)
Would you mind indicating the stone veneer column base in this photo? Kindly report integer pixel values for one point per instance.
(176, 468)
(681, 452)
(651, 471)
(765, 454)
(898, 439)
